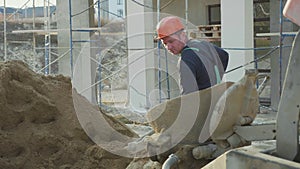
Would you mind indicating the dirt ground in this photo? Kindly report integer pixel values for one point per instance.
(39, 127)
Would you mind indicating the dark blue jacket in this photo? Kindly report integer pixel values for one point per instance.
(199, 62)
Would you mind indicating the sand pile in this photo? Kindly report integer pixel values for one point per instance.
(39, 127)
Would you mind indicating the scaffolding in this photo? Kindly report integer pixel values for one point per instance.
(48, 32)
(98, 30)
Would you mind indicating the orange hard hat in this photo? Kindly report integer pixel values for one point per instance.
(167, 26)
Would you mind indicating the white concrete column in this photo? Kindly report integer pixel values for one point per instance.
(140, 55)
(86, 68)
(237, 32)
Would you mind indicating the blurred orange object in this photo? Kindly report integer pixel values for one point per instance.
(291, 10)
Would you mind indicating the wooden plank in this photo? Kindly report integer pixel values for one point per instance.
(276, 34)
(54, 31)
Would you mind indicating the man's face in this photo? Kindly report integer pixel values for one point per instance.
(174, 43)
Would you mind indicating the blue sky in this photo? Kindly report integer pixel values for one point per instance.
(20, 3)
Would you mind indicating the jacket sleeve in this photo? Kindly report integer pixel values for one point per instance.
(224, 56)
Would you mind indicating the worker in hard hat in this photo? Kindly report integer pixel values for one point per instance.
(201, 63)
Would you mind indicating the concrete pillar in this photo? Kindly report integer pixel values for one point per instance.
(278, 69)
(141, 75)
(237, 32)
(197, 12)
(63, 36)
(80, 49)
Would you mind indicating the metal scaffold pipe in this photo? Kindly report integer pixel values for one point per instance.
(33, 27)
(280, 46)
(71, 38)
(100, 59)
(47, 36)
(186, 12)
(158, 55)
(5, 38)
